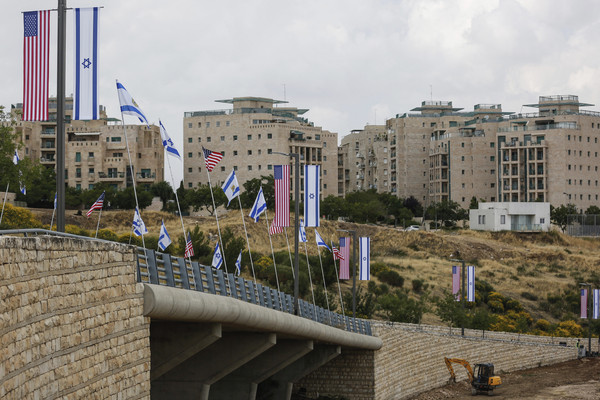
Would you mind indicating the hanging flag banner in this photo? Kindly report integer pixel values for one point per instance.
(365, 258)
(311, 195)
(98, 204)
(231, 187)
(164, 240)
(168, 142)
(36, 65)
(281, 173)
(189, 248)
(139, 228)
(302, 233)
(596, 304)
(584, 295)
(260, 205)
(238, 264)
(211, 158)
(273, 230)
(345, 260)
(456, 282)
(85, 95)
(470, 283)
(217, 260)
(320, 241)
(129, 106)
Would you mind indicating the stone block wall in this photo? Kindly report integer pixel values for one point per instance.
(71, 320)
(411, 360)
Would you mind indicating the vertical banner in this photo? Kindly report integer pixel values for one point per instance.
(365, 258)
(345, 261)
(596, 304)
(470, 283)
(456, 282)
(36, 65)
(85, 88)
(311, 195)
(584, 295)
(281, 174)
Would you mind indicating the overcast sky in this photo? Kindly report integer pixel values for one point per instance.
(349, 62)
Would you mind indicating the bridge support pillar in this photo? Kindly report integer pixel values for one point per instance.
(280, 385)
(243, 382)
(193, 378)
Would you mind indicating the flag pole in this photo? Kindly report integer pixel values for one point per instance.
(4, 202)
(218, 228)
(289, 252)
(338, 280)
(53, 212)
(98, 224)
(272, 253)
(247, 240)
(312, 290)
(324, 283)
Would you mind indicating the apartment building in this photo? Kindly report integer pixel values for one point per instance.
(95, 150)
(444, 153)
(250, 135)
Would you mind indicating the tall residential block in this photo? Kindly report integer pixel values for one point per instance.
(250, 135)
(95, 150)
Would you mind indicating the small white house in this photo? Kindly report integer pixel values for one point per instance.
(517, 216)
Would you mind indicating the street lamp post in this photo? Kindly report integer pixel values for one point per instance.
(462, 294)
(353, 269)
(587, 311)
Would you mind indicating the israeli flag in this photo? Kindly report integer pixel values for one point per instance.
(217, 260)
(16, 160)
(260, 205)
(365, 258)
(164, 240)
(55, 199)
(470, 283)
(311, 195)
(168, 142)
(302, 233)
(596, 304)
(238, 264)
(320, 241)
(129, 106)
(231, 187)
(139, 228)
(85, 96)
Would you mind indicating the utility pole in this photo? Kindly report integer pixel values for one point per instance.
(60, 117)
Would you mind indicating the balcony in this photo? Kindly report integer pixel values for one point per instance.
(47, 160)
(111, 176)
(145, 176)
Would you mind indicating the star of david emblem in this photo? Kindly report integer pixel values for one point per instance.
(364, 258)
(311, 196)
(86, 63)
(218, 255)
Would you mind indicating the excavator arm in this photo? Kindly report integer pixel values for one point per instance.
(464, 363)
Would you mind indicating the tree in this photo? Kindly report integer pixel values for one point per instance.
(447, 212)
(125, 198)
(163, 190)
(201, 198)
(474, 204)
(449, 310)
(560, 215)
(414, 206)
(398, 307)
(333, 207)
(252, 187)
(200, 244)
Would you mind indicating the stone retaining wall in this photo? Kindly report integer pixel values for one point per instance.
(411, 360)
(71, 322)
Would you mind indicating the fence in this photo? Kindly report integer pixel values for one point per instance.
(583, 225)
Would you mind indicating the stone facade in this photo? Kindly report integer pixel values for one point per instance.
(71, 321)
(411, 360)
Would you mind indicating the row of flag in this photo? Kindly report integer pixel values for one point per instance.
(595, 303)
(456, 281)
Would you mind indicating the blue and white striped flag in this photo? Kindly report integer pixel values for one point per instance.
(55, 199)
(231, 187)
(164, 240)
(129, 106)
(22, 187)
(470, 283)
(217, 260)
(85, 95)
(320, 241)
(168, 142)
(311, 195)
(139, 228)
(260, 205)
(302, 232)
(365, 258)
(238, 264)
(596, 304)
(16, 158)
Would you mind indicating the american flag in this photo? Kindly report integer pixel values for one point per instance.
(345, 260)
(337, 254)
(211, 158)
(456, 282)
(189, 249)
(584, 300)
(281, 174)
(273, 230)
(36, 62)
(97, 205)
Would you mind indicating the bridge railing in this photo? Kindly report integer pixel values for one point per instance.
(167, 270)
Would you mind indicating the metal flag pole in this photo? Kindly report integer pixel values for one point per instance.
(53, 212)
(4, 202)
(324, 284)
(247, 241)
(289, 252)
(98, 224)
(273, 253)
(218, 228)
(338, 281)
(60, 116)
(312, 290)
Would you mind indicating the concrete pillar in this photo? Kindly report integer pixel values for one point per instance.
(192, 378)
(172, 343)
(280, 385)
(243, 382)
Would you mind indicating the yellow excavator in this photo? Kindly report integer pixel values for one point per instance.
(483, 380)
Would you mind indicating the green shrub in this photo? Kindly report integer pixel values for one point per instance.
(529, 296)
(392, 278)
(418, 285)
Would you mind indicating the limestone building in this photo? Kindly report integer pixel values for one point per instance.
(249, 135)
(95, 151)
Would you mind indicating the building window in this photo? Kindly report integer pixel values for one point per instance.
(568, 137)
(222, 138)
(324, 144)
(226, 123)
(234, 137)
(462, 144)
(189, 125)
(462, 158)
(199, 140)
(190, 170)
(260, 135)
(235, 152)
(249, 137)
(208, 139)
(502, 219)
(199, 125)
(115, 139)
(492, 144)
(259, 152)
(317, 137)
(235, 167)
(189, 184)
(78, 157)
(481, 219)
(269, 136)
(208, 124)
(259, 167)
(269, 167)
(223, 169)
(269, 151)
(462, 172)
(249, 152)
(492, 158)
(218, 124)
(249, 167)
(189, 155)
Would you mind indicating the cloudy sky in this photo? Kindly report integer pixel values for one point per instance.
(350, 62)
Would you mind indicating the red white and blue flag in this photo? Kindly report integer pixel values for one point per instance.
(337, 254)
(596, 304)
(36, 65)
(345, 259)
(584, 295)
(456, 282)
(211, 158)
(98, 204)
(273, 230)
(470, 283)
(189, 248)
(365, 258)
(281, 173)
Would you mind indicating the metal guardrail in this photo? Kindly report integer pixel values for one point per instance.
(166, 270)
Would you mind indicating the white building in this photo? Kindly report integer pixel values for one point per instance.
(511, 216)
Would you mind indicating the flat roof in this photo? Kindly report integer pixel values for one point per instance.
(250, 98)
